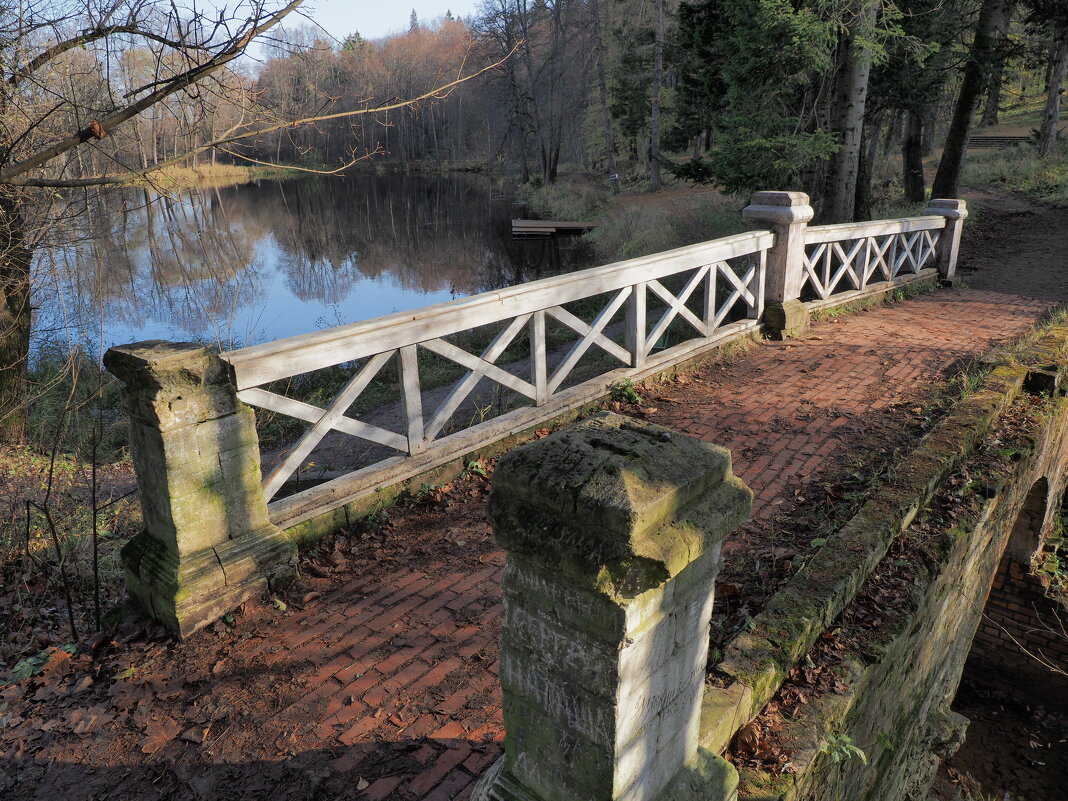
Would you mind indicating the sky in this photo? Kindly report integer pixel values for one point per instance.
(375, 18)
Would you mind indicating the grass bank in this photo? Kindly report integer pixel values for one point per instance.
(208, 175)
(1020, 169)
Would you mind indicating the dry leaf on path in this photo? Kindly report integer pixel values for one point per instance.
(158, 734)
(196, 734)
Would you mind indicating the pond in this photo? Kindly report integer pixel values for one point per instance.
(270, 259)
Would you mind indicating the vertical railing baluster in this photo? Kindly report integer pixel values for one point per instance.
(636, 326)
(539, 368)
(412, 398)
(865, 269)
(827, 256)
(756, 286)
(709, 311)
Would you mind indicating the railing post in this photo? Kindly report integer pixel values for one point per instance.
(636, 325)
(207, 543)
(613, 531)
(539, 368)
(787, 215)
(948, 248)
(411, 398)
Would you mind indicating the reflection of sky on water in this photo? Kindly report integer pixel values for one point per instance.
(277, 312)
(269, 260)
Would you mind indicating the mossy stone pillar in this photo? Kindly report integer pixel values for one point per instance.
(613, 531)
(787, 215)
(948, 248)
(207, 543)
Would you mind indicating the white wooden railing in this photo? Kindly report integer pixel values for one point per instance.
(702, 289)
(849, 256)
(705, 294)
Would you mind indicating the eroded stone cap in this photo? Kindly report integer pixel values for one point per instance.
(611, 474)
(156, 365)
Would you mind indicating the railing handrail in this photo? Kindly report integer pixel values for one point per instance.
(282, 358)
(818, 234)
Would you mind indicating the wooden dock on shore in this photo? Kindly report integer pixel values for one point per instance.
(548, 227)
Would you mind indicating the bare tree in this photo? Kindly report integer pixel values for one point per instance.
(72, 117)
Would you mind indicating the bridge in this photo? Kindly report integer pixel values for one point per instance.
(385, 674)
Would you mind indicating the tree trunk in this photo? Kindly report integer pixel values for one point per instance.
(1047, 135)
(602, 91)
(658, 70)
(862, 209)
(993, 95)
(997, 71)
(930, 126)
(851, 102)
(947, 179)
(912, 159)
(15, 320)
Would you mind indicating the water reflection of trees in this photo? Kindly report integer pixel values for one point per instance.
(202, 261)
(134, 258)
(426, 233)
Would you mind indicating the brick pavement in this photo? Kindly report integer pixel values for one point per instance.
(397, 667)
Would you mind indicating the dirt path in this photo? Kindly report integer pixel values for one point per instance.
(378, 678)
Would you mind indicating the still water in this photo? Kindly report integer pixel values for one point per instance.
(271, 259)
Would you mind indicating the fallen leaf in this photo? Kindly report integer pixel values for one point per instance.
(44, 693)
(278, 604)
(311, 596)
(158, 734)
(195, 735)
(58, 662)
(80, 686)
(362, 784)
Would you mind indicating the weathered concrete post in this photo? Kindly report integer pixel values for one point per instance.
(613, 530)
(948, 248)
(787, 214)
(207, 544)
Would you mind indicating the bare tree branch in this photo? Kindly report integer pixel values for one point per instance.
(232, 50)
(229, 138)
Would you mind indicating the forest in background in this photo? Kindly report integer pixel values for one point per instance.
(744, 94)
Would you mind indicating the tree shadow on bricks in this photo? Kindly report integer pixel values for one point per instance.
(404, 770)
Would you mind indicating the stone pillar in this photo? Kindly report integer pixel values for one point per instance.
(787, 215)
(207, 543)
(613, 530)
(955, 212)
